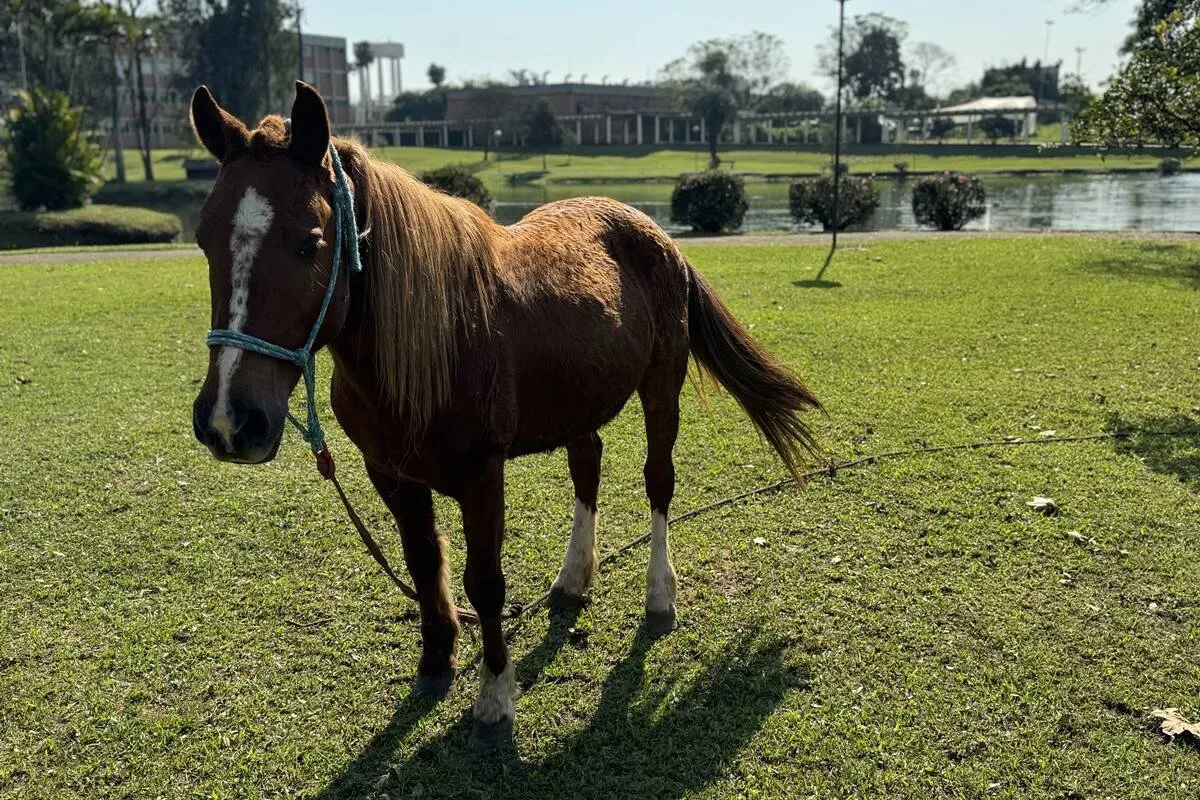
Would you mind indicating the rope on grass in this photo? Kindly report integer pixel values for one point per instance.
(834, 467)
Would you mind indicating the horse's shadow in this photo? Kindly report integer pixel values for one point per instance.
(663, 742)
(1177, 455)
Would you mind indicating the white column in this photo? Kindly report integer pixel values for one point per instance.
(471, 137)
(671, 131)
(770, 131)
(596, 132)
(657, 129)
(703, 131)
(737, 131)
(578, 131)
(445, 135)
(970, 127)
(625, 130)
(639, 127)
(608, 128)
(421, 135)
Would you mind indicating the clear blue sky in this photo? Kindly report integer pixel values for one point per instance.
(633, 38)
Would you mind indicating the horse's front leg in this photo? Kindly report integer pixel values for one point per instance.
(482, 503)
(412, 505)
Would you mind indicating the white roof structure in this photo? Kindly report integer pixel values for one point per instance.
(991, 106)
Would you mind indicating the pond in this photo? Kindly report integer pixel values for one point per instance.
(1108, 202)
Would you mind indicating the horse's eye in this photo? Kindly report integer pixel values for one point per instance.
(308, 250)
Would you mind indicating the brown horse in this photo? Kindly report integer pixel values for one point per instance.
(460, 345)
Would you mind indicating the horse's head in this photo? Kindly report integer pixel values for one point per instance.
(267, 230)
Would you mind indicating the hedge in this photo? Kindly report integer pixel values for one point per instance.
(90, 225)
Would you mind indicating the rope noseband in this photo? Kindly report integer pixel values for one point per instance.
(345, 231)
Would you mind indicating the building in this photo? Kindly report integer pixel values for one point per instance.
(566, 99)
(325, 66)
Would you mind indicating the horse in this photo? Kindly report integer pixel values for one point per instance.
(461, 344)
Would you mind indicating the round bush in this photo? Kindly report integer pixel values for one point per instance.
(51, 163)
(1170, 166)
(460, 182)
(811, 201)
(710, 202)
(948, 202)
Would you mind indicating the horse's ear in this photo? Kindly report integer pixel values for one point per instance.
(310, 126)
(221, 133)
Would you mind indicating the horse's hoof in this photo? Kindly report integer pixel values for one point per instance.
(435, 686)
(561, 601)
(660, 623)
(492, 736)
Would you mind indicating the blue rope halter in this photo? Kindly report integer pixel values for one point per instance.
(345, 229)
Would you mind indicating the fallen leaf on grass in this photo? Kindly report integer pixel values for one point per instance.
(760, 541)
(1175, 724)
(1085, 541)
(1044, 505)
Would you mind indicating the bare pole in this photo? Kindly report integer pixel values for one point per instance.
(837, 139)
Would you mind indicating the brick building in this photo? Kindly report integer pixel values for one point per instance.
(566, 99)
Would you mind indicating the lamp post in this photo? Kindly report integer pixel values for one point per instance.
(837, 139)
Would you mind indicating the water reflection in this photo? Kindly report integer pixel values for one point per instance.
(1112, 202)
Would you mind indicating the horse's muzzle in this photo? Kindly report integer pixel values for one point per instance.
(237, 433)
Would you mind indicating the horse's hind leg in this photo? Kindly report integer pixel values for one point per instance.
(579, 563)
(659, 393)
(412, 505)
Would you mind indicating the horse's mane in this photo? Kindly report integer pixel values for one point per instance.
(429, 260)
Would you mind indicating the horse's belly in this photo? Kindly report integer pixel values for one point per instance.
(561, 398)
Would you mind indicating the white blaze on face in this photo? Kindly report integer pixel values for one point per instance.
(250, 224)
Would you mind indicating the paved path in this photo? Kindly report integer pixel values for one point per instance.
(806, 239)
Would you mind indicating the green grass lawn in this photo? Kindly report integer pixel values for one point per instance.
(668, 164)
(177, 628)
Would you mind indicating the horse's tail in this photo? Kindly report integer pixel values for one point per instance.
(768, 391)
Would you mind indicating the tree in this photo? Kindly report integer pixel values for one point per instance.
(1076, 95)
(1149, 15)
(239, 48)
(490, 102)
(50, 160)
(539, 127)
(139, 37)
(931, 61)
(755, 62)
(997, 127)
(418, 106)
(1155, 98)
(437, 75)
(790, 97)
(719, 76)
(874, 64)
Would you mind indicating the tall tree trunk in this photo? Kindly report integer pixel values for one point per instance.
(118, 145)
(144, 142)
(714, 126)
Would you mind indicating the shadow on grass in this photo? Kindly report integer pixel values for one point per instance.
(647, 738)
(1176, 455)
(1152, 260)
(816, 284)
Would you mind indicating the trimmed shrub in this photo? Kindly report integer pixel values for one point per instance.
(710, 202)
(811, 201)
(1170, 166)
(51, 163)
(90, 225)
(460, 182)
(948, 202)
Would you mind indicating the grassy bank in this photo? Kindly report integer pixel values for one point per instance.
(179, 628)
(93, 225)
(668, 164)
